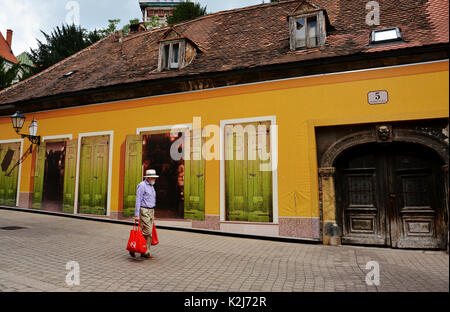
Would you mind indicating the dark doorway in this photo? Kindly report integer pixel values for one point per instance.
(391, 195)
(52, 197)
(170, 185)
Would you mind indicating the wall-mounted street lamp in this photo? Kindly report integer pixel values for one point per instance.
(18, 119)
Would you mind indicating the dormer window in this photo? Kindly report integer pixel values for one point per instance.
(175, 51)
(307, 26)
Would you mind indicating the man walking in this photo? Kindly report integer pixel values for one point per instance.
(145, 208)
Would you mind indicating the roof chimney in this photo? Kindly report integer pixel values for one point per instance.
(9, 34)
(137, 27)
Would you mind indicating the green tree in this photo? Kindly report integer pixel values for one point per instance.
(112, 27)
(8, 76)
(63, 42)
(186, 11)
(155, 22)
(67, 40)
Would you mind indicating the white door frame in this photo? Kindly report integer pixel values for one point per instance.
(167, 127)
(274, 158)
(20, 165)
(57, 137)
(111, 145)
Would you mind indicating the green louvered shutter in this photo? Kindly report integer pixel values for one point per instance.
(259, 182)
(101, 164)
(70, 168)
(236, 175)
(86, 176)
(133, 173)
(194, 176)
(8, 184)
(39, 174)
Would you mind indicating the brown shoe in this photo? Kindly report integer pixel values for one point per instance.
(146, 256)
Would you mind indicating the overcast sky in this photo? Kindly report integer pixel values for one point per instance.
(27, 17)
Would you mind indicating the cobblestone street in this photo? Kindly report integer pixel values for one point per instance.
(34, 258)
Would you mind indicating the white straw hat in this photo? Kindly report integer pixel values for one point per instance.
(151, 174)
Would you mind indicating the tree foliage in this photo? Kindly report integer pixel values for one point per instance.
(186, 11)
(8, 76)
(67, 40)
(63, 42)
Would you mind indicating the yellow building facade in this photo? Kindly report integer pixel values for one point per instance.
(297, 106)
(342, 141)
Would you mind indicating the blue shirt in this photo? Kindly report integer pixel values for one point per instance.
(145, 197)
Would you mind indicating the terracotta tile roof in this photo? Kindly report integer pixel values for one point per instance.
(5, 50)
(237, 39)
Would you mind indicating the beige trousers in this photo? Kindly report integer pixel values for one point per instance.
(147, 217)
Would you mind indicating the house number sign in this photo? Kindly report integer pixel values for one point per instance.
(378, 97)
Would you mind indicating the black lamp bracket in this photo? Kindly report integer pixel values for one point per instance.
(33, 139)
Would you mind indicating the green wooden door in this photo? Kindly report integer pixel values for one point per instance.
(133, 173)
(39, 174)
(94, 162)
(248, 188)
(70, 168)
(194, 177)
(8, 184)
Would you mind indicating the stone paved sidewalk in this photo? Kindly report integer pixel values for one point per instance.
(34, 259)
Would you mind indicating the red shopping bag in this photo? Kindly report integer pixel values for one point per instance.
(155, 240)
(137, 242)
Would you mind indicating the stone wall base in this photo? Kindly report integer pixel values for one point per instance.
(300, 227)
(25, 200)
(210, 223)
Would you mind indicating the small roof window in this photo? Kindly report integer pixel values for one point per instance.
(307, 26)
(386, 35)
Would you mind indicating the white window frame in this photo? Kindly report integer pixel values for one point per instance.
(20, 165)
(57, 137)
(274, 158)
(187, 126)
(77, 181)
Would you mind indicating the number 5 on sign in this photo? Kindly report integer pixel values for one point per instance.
(373, 277)
(378, 97)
